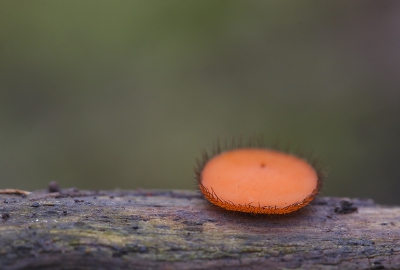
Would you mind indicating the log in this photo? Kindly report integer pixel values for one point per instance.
(173, 229)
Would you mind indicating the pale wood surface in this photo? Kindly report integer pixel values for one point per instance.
(170, 229)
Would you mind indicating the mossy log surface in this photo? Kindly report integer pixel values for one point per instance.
(171, 229)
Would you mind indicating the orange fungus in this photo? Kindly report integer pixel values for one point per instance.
(258, 180)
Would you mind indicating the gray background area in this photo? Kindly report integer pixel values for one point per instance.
(125, 94)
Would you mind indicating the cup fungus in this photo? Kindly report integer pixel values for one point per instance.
(258, 180)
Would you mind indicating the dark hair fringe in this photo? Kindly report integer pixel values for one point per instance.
(257, 141)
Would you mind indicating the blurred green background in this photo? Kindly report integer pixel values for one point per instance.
(125, 94)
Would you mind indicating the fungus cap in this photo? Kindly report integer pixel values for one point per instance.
(259, 181)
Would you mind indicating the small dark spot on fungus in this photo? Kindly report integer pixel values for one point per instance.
(53, 187)
(35, 204)
(345, 207)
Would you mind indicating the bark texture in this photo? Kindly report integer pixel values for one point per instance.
(170, 229)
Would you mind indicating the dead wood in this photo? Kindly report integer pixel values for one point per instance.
(170, 229)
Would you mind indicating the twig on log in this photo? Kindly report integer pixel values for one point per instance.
(14, 191)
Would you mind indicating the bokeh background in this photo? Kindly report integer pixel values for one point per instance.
(125, 94)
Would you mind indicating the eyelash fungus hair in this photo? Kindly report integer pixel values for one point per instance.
(253, 178)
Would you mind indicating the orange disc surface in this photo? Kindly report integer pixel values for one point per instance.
(259, 181)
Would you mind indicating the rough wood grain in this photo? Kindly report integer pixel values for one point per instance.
(169, 229)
